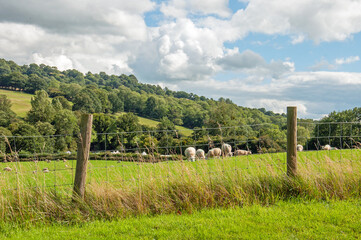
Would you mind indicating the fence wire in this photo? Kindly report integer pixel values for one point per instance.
(131, 159)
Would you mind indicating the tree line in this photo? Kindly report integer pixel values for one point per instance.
(61, 96)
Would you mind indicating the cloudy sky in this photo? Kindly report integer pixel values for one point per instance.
(259, 53)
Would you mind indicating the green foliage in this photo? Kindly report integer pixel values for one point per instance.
(4, 146)
(41, 108)
(26, 140)
(335, 130)
(87, 101)
(66, 125)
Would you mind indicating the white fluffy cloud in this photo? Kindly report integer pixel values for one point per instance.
(319, 21)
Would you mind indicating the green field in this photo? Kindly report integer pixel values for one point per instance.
(20, 101)
(243, 197)
(285, 220)
(131, 172)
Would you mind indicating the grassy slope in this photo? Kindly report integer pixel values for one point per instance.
(20, 101)
(153, 123)
(21, 105)
(285, 220)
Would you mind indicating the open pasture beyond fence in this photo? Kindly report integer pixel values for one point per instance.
(137, 161)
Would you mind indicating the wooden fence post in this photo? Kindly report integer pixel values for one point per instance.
(291, 141)
(82, 156)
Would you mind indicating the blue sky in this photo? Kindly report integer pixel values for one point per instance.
(258, 53)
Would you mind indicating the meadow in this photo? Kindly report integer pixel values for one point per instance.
(128, 188)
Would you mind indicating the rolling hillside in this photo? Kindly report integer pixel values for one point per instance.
(21, 105)
(20, 101)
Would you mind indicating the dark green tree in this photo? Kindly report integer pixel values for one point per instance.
(41, 108)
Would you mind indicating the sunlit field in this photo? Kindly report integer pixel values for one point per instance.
(57, 175)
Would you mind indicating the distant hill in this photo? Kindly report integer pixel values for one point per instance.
(21, 105)
(103, 93)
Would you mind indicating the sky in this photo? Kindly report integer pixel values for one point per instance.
(258, 53)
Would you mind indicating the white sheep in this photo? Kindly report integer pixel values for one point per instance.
(45, 170)
(214, 152)
(242, 152)
(299, 148)
(326, 147)
(7, 169)
(227, 150)
(190, 153)
(200, 154)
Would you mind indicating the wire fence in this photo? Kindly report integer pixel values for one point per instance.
(129, 159)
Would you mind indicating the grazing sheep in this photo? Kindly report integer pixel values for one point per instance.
(45, 170)
(190, 153)
(227, 150)
(48, 161)
(144, 153)
(326, 147)
(64, 160)
(299, 148)
(214, 152)
(200, 154)
(7, 169)
(242, 152)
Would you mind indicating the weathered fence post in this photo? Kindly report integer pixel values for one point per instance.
(82, 156)
(291, 141)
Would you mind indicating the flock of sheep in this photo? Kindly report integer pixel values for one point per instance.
(226, 150)
(192, 154)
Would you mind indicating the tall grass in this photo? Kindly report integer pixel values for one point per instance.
(176, 187)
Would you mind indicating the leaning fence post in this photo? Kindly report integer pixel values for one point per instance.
(82, 155)
(291, 141)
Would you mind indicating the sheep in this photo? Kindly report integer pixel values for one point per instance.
(227, 150)
(200, 154)
(326, 147)
(7, 169)
(190, 153)
(45, 170)
(214, 152)
(299, 148)
(242, 152)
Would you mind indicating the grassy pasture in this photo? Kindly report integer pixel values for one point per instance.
(226, 196)
(20, 101)
(285, 220)
(133, 174)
